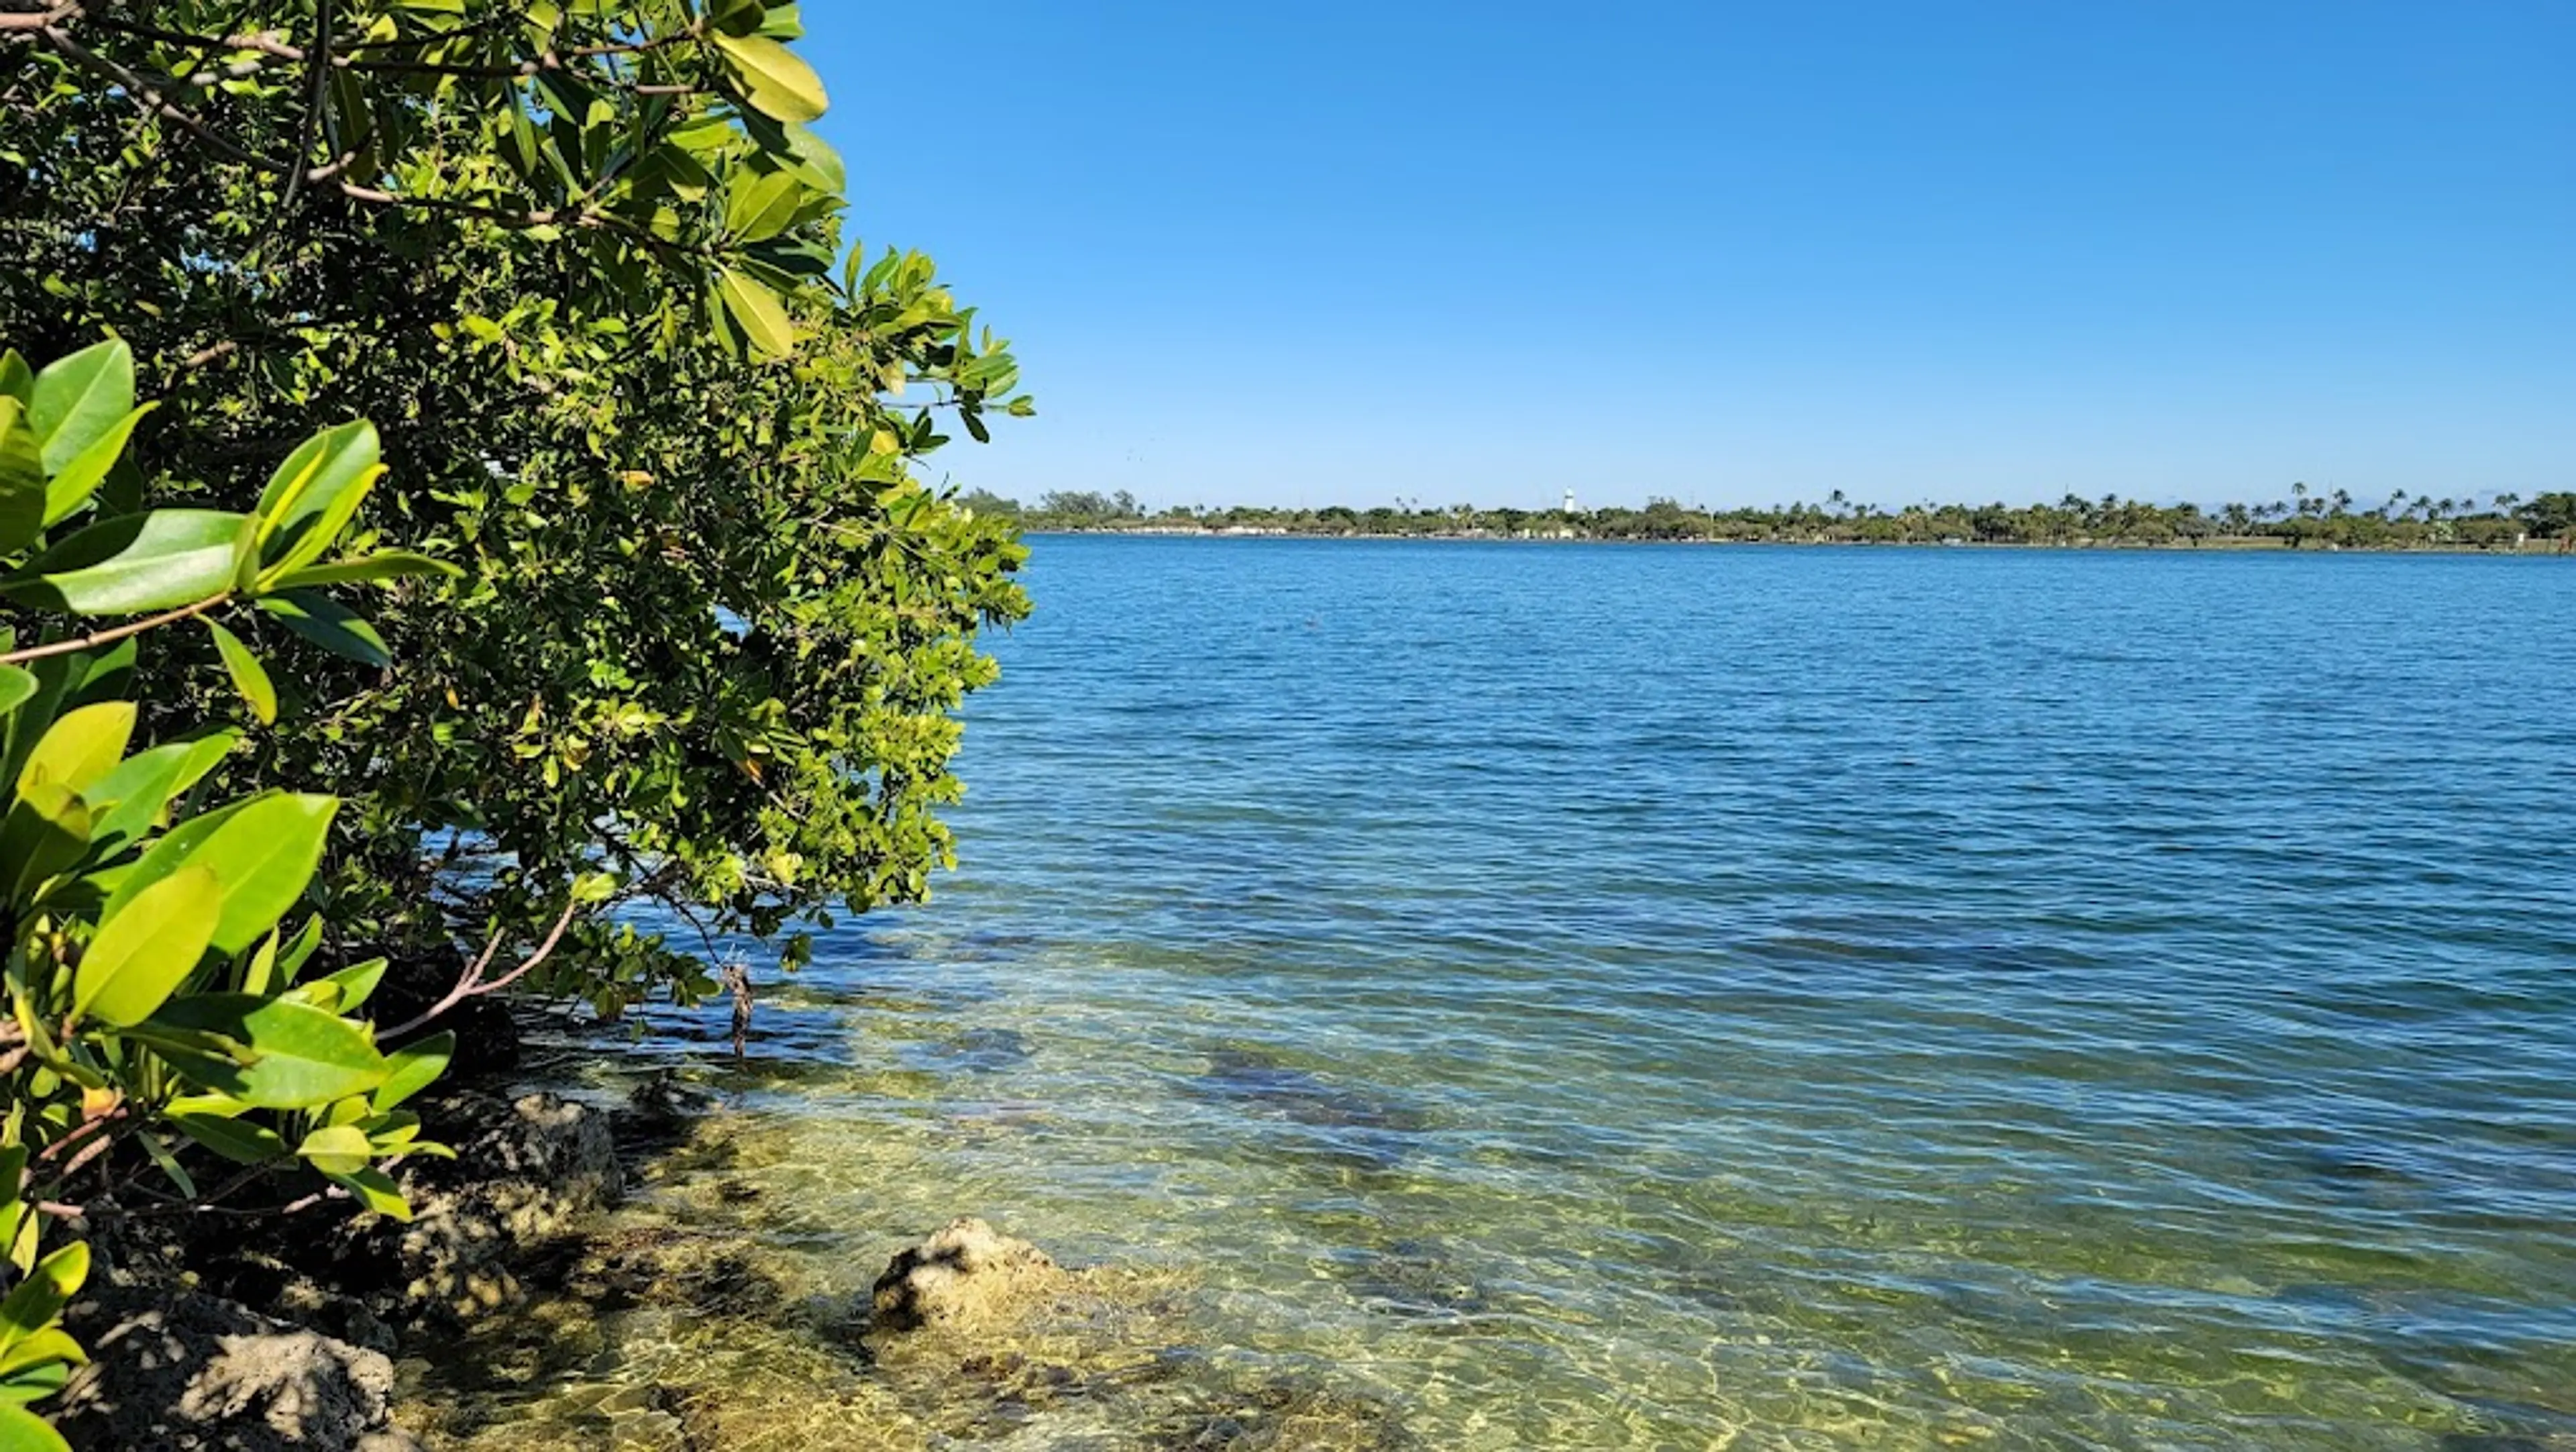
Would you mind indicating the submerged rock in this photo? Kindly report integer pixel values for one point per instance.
(967, 1273)
(180, 1370)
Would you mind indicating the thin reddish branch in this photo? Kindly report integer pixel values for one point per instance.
(472, 984)
(110, 637)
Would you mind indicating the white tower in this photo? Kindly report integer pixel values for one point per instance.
(1569, 501)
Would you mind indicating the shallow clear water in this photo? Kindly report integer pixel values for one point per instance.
(1799, 998)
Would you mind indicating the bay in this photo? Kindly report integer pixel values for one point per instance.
(1579, 996)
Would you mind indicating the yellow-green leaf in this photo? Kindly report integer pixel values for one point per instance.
(337, 1149)
(774, 80)
(249, 676)
(81, 747)
(143, 953)
(23, 1431)
(762, 316)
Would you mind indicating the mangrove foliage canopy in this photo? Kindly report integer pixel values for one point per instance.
(558, 296)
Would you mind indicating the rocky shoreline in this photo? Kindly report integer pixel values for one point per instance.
(543, 1296)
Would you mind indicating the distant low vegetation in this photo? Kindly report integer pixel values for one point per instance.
(2302, 518)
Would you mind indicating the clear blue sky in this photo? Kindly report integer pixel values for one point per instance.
(1736, 253)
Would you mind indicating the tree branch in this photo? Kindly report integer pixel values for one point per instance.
(472, 984)
(110, 637)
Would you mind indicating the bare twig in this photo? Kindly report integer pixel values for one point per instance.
(110, 637)
(472, 983)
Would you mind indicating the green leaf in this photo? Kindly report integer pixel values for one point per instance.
(312, 481)
(249, 677)
(412, 1068)
(80, 748)
(22, 478)
(343, 992)
(129, 801)
(337, 1149)
(169, 1165)
(55, 1346)
(263, 851)
(376, 1190)
(39, 1298)
(237, 1140)
(76, 481)
(311, 537)
(774, 80)
(147, 949)
(134, 563)
(757, 310)
(77, 400)
(17, 380)
(17, 688)
(299, 949)
(23, 1431)
(42, 1347)
(382, 565)
(762, 204)
(328, 624)
(300, 1056)
(46, 831)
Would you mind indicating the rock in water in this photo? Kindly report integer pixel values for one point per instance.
(527, 1171)
(178, 1370)
(968, 1272)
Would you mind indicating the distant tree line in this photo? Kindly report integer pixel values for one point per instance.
(2302, 519)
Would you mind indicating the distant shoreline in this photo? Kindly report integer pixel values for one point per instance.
(2224, 544)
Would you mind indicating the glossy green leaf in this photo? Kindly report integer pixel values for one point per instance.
(263, 852)
(23, 1431)
(311, 537)
(75, 482)
(146, 950)
(376, 1190)
(762, 204)
(17, 687)
(774, 80)
(77, 400)
(382, 565)
(322, 470)
(757, 310)
(46, 833)
(40, 1298)
(301, 1057)
(412, 1068)
(81, 747)
(328, 624)
(337, 1149)
(250, 678)
(52, 1345)
(299, 949)
(128, 802)
(134, 563)
(238, 1140)
(17, 380)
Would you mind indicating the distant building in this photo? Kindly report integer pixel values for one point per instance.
(1569, 501)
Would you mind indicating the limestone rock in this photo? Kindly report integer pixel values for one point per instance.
(966, 1273)
(527, 1171)
(177, 1369)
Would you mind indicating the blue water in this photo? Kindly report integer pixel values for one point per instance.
(1770, 998)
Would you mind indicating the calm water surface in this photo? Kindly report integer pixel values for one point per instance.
(1807, 998)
